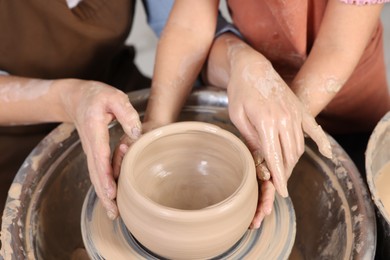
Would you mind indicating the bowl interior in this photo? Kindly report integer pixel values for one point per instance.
(187, 170)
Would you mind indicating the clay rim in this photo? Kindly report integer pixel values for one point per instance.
(182, 127)
(380, 129)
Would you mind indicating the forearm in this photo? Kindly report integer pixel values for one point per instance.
(345, 32)
(181, 52)
(30, 101)
(218, 68)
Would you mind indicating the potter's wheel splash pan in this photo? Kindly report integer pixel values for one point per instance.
(334, 213)
(102, 237)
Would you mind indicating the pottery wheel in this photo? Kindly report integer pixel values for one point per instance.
(106, 239)
(335, 218)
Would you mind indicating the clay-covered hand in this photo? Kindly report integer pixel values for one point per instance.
(92, 106)
(124, 144)
(265, 203)
(272, 120)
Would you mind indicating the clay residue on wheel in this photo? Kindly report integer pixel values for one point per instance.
(10, 214)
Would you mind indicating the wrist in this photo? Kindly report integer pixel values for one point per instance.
(243, 56)
(65, 97)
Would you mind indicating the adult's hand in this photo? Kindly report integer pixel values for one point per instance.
(271, 119)
(125, 143)
(92, 106)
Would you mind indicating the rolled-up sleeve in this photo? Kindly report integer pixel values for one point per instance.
(365, 2)
(224, 26)
(157, 12)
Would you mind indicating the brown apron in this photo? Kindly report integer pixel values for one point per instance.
(284, 31)
(45, 39)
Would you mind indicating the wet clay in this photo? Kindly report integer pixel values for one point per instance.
(109, 239)
(183, 181)
(382, 182)
(320, 211)
(8, 215)
(29, 90)
(188, 191)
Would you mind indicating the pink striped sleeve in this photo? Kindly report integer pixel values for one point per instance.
(365, 2)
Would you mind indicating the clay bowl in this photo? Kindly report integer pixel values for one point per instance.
(188, 190)
(377, 157)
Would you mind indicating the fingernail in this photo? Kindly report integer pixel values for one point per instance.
(328, 151)
(254, 226)
(267, 211)
(256, 157)
(283, 191)
(111, 215)
(267, 175)
(110, 192)
(136, 132)
(123, 148)
(264, 172)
